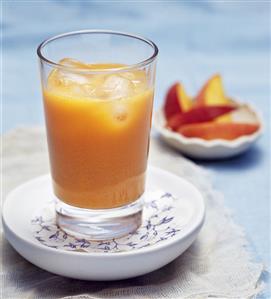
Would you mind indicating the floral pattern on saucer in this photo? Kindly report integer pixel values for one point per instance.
(159, 224)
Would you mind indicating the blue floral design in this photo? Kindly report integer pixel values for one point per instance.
(159, 225)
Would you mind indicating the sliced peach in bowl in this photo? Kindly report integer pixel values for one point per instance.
(218, 148)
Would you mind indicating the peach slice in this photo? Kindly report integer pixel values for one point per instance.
(212, 93)
(198, 115)
(242, 114)
(177, 101)
(211, 130)
(226, 118)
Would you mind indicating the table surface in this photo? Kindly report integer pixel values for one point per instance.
(196, 40)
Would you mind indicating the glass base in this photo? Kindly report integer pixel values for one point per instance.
(100, 224)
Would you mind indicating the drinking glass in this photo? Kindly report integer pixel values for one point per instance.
(98, 91)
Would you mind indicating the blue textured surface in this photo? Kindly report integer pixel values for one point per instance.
(196, 39)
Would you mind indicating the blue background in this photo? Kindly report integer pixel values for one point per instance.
(196, 39)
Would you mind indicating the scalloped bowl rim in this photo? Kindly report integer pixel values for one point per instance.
(208, 143)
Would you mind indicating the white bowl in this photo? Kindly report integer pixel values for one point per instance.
(172, 218)
(211, 149)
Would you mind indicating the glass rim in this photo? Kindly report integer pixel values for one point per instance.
(145, 62)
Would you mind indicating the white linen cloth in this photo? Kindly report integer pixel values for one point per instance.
(217, 265)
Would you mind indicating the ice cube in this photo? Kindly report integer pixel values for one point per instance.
(67, 78)
(70, 84)
(137, 78)
(70, 62)
(60, 77)
(128, 75)
(116, 87)
(120, 111)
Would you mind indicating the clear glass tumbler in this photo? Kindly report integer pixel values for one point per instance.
(98, 91)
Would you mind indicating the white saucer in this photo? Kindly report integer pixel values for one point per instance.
(172, 218)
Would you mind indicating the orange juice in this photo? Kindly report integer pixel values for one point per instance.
(98, 134)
